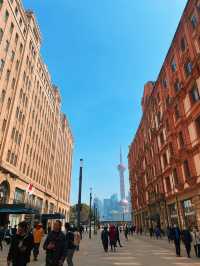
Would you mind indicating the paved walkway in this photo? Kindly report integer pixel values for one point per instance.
(138, 251)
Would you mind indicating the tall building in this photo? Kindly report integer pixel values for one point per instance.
(121, 168)
(164, 157)
(98, 204)
(35, 138)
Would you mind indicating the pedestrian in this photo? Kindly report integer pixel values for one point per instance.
(112, 237)
(176, 235)
(118, 236)
(21, 246)
(169, 234)
(157, 232)
(105, 238)
(70, 245)
(14, 230)
(77, 238)
(38, 234)
(196, 241)
(55, 246)
(151, 232)
(2, 232)
(187, 240)
(126, 232)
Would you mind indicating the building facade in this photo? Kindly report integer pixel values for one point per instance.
(36, 143)
(164, 156)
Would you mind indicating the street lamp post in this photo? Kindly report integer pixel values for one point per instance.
(90, 229)
(94, 212)
(79, 195)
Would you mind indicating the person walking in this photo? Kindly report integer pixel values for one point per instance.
(105, 238)
(70, 245)
(176, 235)
(157, 232)
(21, 246)
(2, 232)
(77, 239)
(112, 238)
(118, 236)
(55, 246)
(126, 232)
(187, 240)
(38, 234)
(196, 241)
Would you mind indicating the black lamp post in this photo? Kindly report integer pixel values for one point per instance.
(79, 195)
(90, 226)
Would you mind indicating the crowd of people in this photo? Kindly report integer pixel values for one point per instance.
(25, 241)
(190, 238)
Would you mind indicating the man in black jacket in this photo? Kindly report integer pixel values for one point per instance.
(69, 244)
(176, 235)
(187, 240)
(21, 246)
(55, 246)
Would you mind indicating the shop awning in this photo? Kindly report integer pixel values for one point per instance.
(16, 209)
(52, 216)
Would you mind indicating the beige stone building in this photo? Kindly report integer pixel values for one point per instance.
(36, 143)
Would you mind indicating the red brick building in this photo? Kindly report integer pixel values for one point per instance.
(164, 156)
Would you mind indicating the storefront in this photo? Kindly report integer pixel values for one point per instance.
(173, 214)
(189, 213)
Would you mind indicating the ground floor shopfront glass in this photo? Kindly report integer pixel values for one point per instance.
(173, 214)
(189, 214)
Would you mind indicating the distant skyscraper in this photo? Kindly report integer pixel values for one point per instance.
(121, 168)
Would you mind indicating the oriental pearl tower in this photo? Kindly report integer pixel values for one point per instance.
(121, 168)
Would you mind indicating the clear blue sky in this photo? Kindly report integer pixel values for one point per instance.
(100, 53)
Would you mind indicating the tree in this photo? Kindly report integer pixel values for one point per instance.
(85, 214)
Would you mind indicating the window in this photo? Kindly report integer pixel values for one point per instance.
(16, 11)
(181, 139)
(171, 149)
(8, 103)
(11, 28)
(164, 83)
(194, 22)
(16, 38)
(12, 56)
(186, 169)
(3, 94)
(12, 158)
(17, 65)
(175, 176)
(4, 125)
(177, 86)
(6, 16)
(173, 65)
(17, 112)
(197, 123)
(8, 156)
(21, 48)
(165, 161)
(2, 63)
(8, 75)
(194, 94)
(168, 184)
(177, 113)
(20, 22)
(188, 68)
(13, 83)
(183, 44)
(162, 138)
(13, 133)
(7, 45)
(1, 34)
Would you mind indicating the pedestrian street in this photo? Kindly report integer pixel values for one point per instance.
(138, 251)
